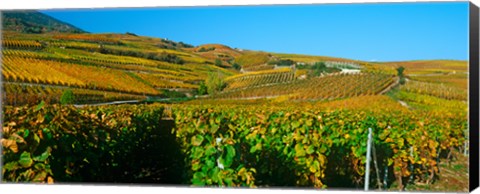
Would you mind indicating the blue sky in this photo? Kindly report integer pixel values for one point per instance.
(380, 32)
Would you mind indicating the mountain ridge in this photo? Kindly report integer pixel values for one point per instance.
(34, 22)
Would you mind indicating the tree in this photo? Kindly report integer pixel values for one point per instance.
(401, 75)
(214, 83)
(319, 68)
(287, 62)
(185, 45)
(236, 66)
(131, 34)
(202, 89)
(67, 97)
(218, 62)
(400, 71)
(178, 60)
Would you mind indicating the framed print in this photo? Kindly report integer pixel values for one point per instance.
(355, 96)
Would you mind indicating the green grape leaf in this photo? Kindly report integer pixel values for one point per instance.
(197, 152)
(323, 149)
(39, 166)
(197, 140)
(26, 133)
(299, 151)
(42, 157)
(198, 179)
(40, 106)
(25, 160)
(255, 148)
(229, 156)
(230, 151)
(310, 149)
(210, 150)
(209, 163)
(295, 124)
(11, 166)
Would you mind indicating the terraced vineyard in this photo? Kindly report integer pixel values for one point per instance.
(258, 68)
(437, 90)
(326, 87)
(25, 44)
(252, 59)
(459, 80)
(260, 78)
(19, 94)
(164, 82)
(100, 63)
(67, 74)
(88, 38)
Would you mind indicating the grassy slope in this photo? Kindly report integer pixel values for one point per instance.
(250, 59)
(311, 59)
(431, 66)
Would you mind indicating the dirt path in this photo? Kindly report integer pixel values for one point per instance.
(108, 103)
(404, 104)
(396, 83)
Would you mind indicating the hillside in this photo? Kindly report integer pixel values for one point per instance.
(128, 66)
(35, 22)
(99, 67)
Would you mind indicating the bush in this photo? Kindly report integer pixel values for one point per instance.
(185, 45)
(236, 66)
(131, 34)
(173, 94)
(67, 97)
(203, 49)
(400, 74)
(400, 71)
(282, 62)
(218, 62)
(202, 90)
(319, 67)
(214, 83)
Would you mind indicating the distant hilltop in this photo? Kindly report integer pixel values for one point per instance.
(34, 22)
